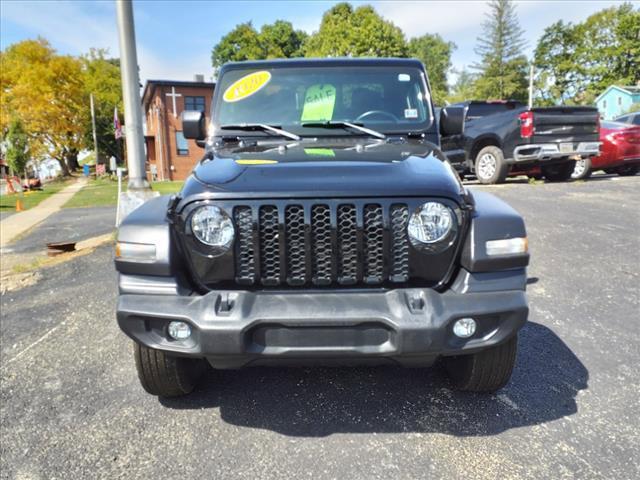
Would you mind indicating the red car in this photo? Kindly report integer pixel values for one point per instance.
(619, 152)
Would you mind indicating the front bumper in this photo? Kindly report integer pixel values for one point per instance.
(554, 151)
(406, 325)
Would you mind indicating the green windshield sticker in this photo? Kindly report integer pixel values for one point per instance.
(318, 103)
(320, 152)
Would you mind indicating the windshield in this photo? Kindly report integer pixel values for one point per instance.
(388, 99)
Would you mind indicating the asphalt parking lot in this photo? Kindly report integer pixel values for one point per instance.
(71, 406)
(66, 225)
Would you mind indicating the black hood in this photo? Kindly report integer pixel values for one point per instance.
(330, 169)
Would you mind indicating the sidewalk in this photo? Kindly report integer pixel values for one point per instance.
(18, 223)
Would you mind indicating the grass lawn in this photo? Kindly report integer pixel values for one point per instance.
(103, 192)
(32, 198)
(97, 193)
(166, 188)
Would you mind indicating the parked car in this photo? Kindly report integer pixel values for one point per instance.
(501, 136)
(620, 151)
(632, 118)
(324, 226)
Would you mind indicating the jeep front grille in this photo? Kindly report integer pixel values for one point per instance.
(321, 244)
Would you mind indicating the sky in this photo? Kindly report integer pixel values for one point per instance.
(175, 39)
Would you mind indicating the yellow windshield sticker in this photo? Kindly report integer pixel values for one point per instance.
(318, 103)
(255, 162)
(246, 86)
(320, 152)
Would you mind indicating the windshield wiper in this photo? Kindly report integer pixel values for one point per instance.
(353, 126)
(260, 126)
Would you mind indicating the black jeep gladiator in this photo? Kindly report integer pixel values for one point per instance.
(504, 137)
(322, 226)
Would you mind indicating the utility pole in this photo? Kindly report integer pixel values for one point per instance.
(131, 95)
(531, 86)
(93, 126)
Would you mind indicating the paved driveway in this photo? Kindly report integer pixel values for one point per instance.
(71, 406)
(66, 225)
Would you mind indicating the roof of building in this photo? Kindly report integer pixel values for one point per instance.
(629, 90)
(150, 86)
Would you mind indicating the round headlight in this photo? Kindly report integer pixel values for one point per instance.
(431, 223)
(213, 227)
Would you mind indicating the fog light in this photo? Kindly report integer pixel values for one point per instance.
(465, 327)
(179, 330)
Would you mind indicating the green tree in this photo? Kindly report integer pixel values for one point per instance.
(101, 77)
(609, 50)
(280, 40)
(17, 143)
(555, 64)
(345, 31)
(277, 40)
(576, 62)
(361, 32)
(435, 53)
(464, 87)
(241, 43)
(502, 67)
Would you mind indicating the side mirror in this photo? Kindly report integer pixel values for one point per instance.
(193, 125)
(452, 120)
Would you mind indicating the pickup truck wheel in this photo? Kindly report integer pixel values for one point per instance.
(582, 170)
(560, 172)
(486, 371)
(490, 167)
(628, 170)
(165, 375)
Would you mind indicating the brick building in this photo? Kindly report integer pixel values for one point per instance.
(169, 155)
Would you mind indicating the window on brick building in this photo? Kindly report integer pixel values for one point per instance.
(182, 146)
(194, 103)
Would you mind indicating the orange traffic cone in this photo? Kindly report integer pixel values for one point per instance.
(19, 207)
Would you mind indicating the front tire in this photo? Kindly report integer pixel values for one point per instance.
(165, 375)
(582, 170)
(486, 371)
(490, 167)
(560, 172)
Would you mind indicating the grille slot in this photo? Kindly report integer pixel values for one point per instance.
(322, 245)
(269, 245)
(296, 261)
(245, 259)
(400, 243)
(347, 245)
(373, 244)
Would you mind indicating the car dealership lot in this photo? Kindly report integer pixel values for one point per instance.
(71, 406)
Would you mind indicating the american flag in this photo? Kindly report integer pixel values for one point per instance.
(117, 128)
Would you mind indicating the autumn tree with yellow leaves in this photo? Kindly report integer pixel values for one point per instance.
(45, 92)
(49, 94)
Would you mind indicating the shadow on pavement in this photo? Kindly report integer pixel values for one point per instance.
(316, 402)
(603, 176)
